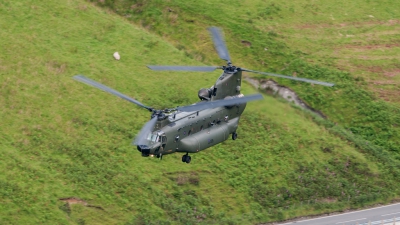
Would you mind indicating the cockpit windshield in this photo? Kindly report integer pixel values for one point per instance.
(153, 137)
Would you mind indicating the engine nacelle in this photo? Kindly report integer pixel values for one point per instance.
(204, 94)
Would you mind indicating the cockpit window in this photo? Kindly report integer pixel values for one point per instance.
(152, 137)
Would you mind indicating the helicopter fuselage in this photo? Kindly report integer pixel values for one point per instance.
(192, 132)
(196, 131)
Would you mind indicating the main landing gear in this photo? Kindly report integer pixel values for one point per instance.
(234, 136)
(186, 158)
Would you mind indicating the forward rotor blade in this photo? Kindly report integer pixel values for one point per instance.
(95, 84)
(219, 43)
(144, 132)
(219, 103)
(292, 78)
(185, 68)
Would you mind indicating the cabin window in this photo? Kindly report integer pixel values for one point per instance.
(177, 138)
(201, 128)
(189, 132)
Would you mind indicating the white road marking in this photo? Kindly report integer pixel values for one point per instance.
(391, 214)
(347, 213)
(351, 220)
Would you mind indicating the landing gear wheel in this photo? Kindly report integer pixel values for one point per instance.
(184, 158)
(234, 136)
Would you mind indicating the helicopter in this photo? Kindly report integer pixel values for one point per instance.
(196, 127)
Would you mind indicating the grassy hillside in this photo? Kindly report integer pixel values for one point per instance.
(354, 45)
(62, 139)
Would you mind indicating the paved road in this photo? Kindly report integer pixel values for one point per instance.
(360, 217)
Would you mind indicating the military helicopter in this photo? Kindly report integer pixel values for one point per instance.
(192, 128)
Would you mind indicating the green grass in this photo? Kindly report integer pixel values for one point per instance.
(60, 138)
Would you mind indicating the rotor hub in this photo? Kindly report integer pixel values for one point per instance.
(230, 68)
(159, 114)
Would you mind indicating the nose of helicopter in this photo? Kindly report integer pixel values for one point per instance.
(150, 149)
(144, 149)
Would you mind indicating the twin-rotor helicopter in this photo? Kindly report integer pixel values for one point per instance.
(193, 128)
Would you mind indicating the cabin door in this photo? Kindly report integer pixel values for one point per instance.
(163, 141)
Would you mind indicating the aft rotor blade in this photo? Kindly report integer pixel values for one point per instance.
(185, 68)
(144, 132)
(219, 103)
(95, 84)
(292, 78)
(219, 43)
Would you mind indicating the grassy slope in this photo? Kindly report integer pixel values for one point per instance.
(360, 36)
(60, 138)
(294, 47)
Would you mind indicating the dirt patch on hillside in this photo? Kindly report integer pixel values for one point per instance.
(371, 47)
(74, 200)
(385, 94)
(392, 73)
(386, 82)
(389, 72)
(385, 87)
(372, 69)
(183, 178)
(350, 24)
(246, 43)
(328, 200)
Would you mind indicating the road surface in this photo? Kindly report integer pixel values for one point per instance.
(356, 217)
